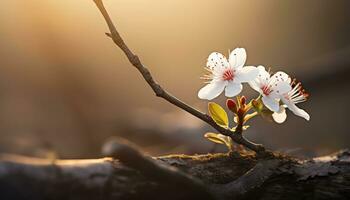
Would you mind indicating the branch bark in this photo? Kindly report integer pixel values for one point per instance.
(160, 92)
(136, 176)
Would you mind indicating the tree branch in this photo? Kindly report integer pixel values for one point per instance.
(160, 92)
(235, 176)
(128, 154)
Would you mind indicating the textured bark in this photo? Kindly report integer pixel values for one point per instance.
(223, 176)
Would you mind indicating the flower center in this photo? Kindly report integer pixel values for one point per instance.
(228, 75)
(266, 89)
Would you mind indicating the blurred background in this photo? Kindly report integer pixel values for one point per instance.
(65, 88)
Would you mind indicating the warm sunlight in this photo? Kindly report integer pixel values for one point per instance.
(116, 99)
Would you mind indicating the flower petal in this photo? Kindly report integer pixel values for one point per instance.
(297, 111)
(217, 61)
(237, 57)
(263, 76)
(281, 76)
(246, 74)
(279, 88)
(212, 90)
(261, 80)
(255, 85)
(280, 116)
(270, 103)
(233, 89)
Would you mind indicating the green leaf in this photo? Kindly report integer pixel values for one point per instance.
(218, 114)
(220, 139)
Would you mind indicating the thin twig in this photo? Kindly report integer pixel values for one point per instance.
(160, 92)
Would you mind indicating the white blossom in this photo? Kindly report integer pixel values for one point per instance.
(271, 87)
(295, 96)
(226, 74)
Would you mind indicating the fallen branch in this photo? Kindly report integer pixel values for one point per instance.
(160, 92)
(234, 176)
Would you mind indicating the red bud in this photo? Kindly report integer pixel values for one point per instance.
(231, 104)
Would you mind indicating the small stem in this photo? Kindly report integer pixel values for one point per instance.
(249, 106)
(249, 116)
(238, 98)
(240, 121)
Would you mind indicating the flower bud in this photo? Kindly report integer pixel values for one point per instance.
(243, 100)
(231, 104)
